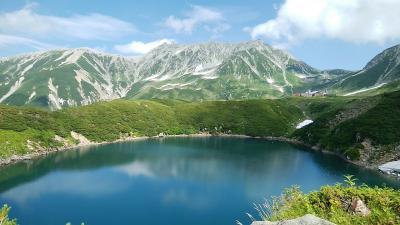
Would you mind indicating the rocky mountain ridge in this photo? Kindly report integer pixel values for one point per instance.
(209, 71)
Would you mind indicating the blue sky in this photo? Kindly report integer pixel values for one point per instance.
(324, 33)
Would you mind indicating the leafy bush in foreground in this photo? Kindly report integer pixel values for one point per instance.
(330, 203)
(4, 220)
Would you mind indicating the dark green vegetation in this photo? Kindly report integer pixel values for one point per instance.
(4, 220)
(383, 68)
(364, 129)
(23, 130)
(332, 203)
(361, 128)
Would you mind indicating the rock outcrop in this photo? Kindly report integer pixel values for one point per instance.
(358, 207)
(392, 168)
(304, 220)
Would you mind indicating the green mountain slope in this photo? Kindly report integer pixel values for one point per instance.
(364, 129)
(382, 69)
(26, 130)
(60, 78)
(210, 71)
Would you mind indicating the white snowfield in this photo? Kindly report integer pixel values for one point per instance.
(304, 123)
(364, 90)
(390, 167)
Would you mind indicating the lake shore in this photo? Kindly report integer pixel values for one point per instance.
(45, 151)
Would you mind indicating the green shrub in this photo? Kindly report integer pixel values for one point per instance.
(108, 121)
(331, 203)
(379, 123)
(353, 153)
(4, 220)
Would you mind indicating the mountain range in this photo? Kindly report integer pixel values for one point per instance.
(210, 71)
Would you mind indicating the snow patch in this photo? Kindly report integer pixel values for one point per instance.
(178, 51)
(166, 87)
(270, 81)
(54, 100)
(33, 94)
(104, 92)
(27, 68)
(198, 68)
(13, 89)
(64, 54)
(301, 76)
(280, 88)
(204, 72)
(73, 56)
(156, 77)
(364, 89)
(209, 77)
(304, 123)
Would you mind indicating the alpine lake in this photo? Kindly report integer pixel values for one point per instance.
(172, 180)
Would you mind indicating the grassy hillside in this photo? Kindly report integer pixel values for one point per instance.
(333, 204)
(387, 88)
(361, 128)
(365, 129)
(24, 130)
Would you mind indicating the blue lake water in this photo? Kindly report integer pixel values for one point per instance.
(173, 181)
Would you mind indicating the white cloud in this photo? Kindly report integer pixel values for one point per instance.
(75, 183)
(217, 29)
(28, 23)
(138, 47)
(136, 168)
(9, 40)
(356, 21)
(196, 16)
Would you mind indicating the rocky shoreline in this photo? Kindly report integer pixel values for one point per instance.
(307, 219)
(45, 151)
(86, 143)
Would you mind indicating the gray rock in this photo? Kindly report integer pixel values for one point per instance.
(304, 220)
(358, 207)
(390, 167)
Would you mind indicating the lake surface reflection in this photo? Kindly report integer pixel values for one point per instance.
(174, 181)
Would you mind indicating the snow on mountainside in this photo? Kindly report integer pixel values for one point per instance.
(220, 71)
(61, 78)
(382, 69)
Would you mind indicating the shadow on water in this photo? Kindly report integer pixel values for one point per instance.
(336, 166)
(192, 158)
(199, 180)
(84, 158)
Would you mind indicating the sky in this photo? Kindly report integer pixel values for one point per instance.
(326, 34)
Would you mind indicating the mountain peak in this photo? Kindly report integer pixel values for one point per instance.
(391, 54)
(256, 42)
(210, 70)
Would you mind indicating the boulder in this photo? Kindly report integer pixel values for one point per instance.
(390, 167)
(358, 207)
(307, 219)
